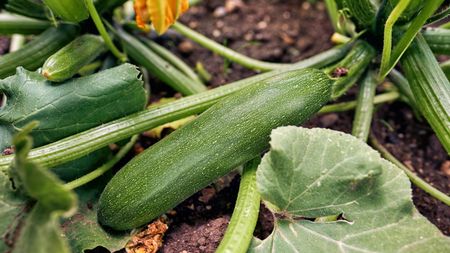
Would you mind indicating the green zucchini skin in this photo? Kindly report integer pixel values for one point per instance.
(15, 24)
(65, 63)
(363, 11)
(230, 133)
(68, 10)
(430, 87)
(438, 39)
(33, 54)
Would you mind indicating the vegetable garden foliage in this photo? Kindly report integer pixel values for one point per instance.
(329, 191)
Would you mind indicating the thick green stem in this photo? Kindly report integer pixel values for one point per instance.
(81, 144)
(239, 232)
(225, 51)
(445, 66)
(387, 39)
(171, 58)
(333, 13)
(413, 177)
(104, 168)
(409, 35)
(348, 106)
(364, 107)
(102, 30)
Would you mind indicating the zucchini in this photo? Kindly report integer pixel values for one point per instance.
(430, 87)
(438, 39)
(33, 55)
(230, 133)
(65, 63)
(68, 10)
(29, 8)
(15, 24)
(363, 11)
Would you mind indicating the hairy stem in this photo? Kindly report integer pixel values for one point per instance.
(413, 177)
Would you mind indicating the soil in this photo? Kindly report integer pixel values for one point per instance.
(284, 31)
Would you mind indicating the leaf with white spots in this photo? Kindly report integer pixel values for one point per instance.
(312, 173)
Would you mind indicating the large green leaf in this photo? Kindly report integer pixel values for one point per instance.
(312, 173)
(12, 207)
(70, 107)
(83, 230)
(41, 231)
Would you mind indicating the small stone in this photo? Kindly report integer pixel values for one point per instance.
(445, 168)
(216, 33)
(261, 25)
(186, 47)
(329, 119)
(232, 5)
(220, 12)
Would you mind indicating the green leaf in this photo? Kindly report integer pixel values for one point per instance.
(82, 229)
(12, 209)
(311, 173)
(70, 107)
(41, 232)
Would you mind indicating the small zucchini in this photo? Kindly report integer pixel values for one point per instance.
(68, 10)
(363, 11)
(430, 87)
(230, 133)
(15, 24)
(33, 54)
(65, 63)
(438, 39)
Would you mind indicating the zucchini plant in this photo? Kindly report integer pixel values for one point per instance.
(69, 92)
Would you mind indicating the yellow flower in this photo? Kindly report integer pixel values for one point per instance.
(161, 13)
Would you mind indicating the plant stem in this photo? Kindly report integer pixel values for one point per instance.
(413, 177)
(333, 13)
(104, 168)
(17, 41)
(387, 40)
(339, 38)
(157, 66)
(347, 106)
(83, 143)
(439, 16)
(171, 58)
(239, 232)
(445, 66)
(102, 30)
(225, 51)
(364, 107)
(410, 34)
(405, 90)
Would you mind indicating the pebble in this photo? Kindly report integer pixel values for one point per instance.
(445, 168)
(186, 47)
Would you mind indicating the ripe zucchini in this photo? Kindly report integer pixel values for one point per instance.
(230, 133)
(68, 10)
(430, 87)
(15, 24)
(33, 55)
(65, 63)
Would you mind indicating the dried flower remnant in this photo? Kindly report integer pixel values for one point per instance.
(149, 240)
